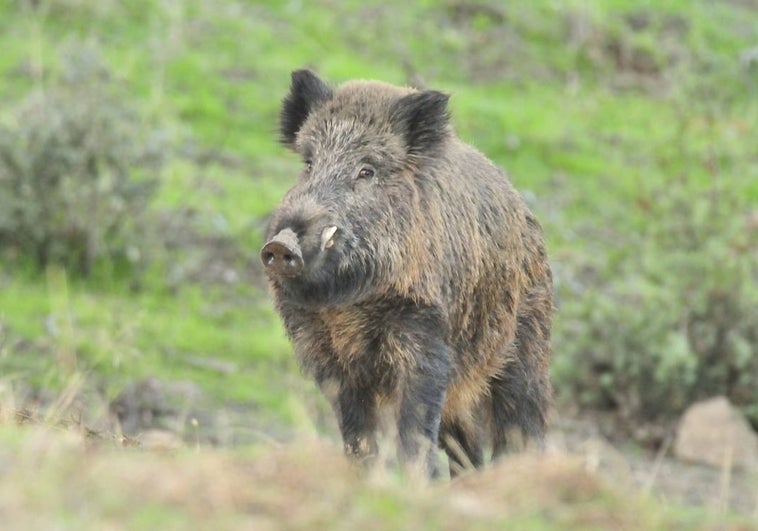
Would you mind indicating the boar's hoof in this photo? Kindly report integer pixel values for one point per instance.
(282, 256)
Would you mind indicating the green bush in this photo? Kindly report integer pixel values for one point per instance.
(668, 317)
(76, 170)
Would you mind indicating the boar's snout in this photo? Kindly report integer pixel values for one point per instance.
(282, 256)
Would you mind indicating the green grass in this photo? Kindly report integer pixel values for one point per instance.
(213, 75)
(120, 337)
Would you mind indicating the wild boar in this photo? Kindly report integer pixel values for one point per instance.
(411, 277)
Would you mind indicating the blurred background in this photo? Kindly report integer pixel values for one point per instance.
(139, 160)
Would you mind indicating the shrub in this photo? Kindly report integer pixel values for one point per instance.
(669, 317)
(76, 170)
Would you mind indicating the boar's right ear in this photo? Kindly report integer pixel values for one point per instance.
(307, 92)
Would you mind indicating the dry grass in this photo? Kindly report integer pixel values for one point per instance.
(61, 478)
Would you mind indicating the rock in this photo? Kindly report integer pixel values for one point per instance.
(713, 432)
(156, 404)
(159, 440)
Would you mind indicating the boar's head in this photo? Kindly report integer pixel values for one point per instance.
(348, 224)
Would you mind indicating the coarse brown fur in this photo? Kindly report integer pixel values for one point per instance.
(433, 301)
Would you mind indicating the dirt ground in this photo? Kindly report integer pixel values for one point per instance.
(656, 472)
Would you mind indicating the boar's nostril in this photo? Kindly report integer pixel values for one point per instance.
(282, 256)
(268, 258)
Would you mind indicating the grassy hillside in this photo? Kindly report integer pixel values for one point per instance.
(630, 128)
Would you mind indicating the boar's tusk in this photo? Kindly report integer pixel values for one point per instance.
(326, 237)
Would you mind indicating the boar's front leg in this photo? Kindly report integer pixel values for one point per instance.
(357, 417)
(419, 423)
(422, 397)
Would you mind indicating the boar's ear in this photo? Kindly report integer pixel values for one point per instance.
(307, 92)
(422, 118)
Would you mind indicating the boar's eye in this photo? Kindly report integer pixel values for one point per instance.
(308, 165)
(366, 172)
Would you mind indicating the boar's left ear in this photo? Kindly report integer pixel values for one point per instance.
(422, 118)
(307, 92)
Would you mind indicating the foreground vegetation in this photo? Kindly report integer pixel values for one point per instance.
(630, 129)
(80, 483)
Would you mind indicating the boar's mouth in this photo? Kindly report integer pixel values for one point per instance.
(321, 268)
(282, 255)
